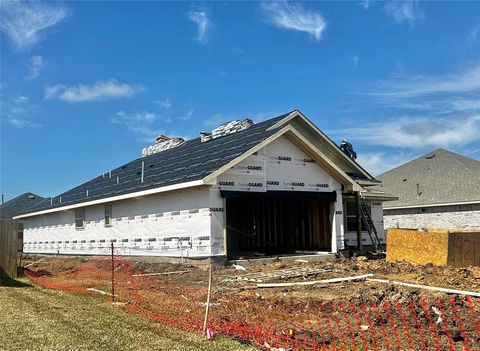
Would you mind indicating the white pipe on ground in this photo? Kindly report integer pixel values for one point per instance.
(426, 287)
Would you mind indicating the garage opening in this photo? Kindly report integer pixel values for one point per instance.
(277, 222)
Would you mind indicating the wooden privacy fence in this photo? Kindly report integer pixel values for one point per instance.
(438, 246)
(8, 249)
(464, 249)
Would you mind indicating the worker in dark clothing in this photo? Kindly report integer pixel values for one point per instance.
(347, 148)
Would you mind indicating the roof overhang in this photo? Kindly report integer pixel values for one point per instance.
(379, 196)
(434, 205)
(298, 139)
(114, 198)
(367, 182)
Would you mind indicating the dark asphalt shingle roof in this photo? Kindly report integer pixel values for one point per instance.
(19, 204)
(442, 177)
(191, 161)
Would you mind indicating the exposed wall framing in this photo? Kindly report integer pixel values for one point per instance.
(277, 224)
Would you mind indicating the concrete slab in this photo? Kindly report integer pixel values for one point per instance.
(320, 256)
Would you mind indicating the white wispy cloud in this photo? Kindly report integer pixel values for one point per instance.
(174, 112)
(379, 162)
(35, 66)
(143, 124)
(293, 16)
(405, 86)
(25, 22)
(441, 107)
(432, 110)
(416, 132)
(474, 34)
(166, 104)
(355, 60)
(403, 11)
(16, 111)
(201, 19)
(462, 104)
(452, 93)
(188, 114)
(365, 4)
(100, 90)
(22, 122)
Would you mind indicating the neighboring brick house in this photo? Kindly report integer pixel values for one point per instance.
(438, 190)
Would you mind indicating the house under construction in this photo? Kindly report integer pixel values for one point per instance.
(277, 187)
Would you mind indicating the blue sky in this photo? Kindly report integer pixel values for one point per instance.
(86, 85)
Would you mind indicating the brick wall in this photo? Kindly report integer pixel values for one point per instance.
(448, 217)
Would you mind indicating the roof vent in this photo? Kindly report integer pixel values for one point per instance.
(162, 143)
(31, 197)
(429, 157)
(226, 129)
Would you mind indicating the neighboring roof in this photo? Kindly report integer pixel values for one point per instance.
(20, 204)
(443, 177)
(185, 164)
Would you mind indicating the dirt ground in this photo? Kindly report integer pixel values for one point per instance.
(298, 316)
(467, 278)
(224, 277)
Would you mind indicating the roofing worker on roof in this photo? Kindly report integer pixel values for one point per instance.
(347, 148)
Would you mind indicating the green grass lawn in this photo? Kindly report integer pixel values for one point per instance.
(34, 318)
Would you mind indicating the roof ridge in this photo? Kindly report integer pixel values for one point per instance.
(450, 154)
(448, 177)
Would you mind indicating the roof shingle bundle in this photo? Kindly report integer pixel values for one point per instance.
(227, 128)
(162, 146)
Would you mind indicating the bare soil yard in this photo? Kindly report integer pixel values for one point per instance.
(343, 316)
